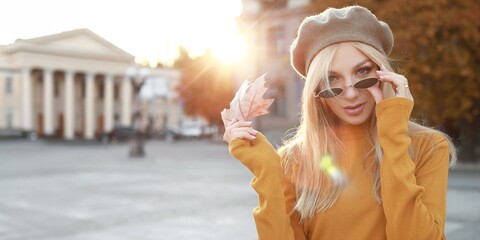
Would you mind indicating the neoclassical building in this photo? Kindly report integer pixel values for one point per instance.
(71, 85)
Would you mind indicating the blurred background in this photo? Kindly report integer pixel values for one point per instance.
(109, 112)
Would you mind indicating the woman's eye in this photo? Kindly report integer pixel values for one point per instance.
(364, 70)
(332, 78)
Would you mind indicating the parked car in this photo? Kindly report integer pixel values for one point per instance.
(191, 131)
(121, 133)
(209, 131)
(185, 131)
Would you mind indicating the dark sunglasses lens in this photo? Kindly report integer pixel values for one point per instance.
(366, 83)
(329, 93)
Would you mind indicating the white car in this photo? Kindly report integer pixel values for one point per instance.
(191, 131)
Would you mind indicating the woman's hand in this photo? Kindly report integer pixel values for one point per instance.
(399, 84)
(239, 129)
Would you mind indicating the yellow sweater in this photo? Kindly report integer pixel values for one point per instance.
(413, 191)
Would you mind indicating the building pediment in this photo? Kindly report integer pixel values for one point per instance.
(79, 43)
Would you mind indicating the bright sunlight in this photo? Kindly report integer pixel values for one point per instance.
(213, 27)
(151, 30)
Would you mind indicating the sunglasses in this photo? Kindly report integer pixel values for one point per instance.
(332, 92)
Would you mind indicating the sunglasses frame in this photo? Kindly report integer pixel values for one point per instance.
(333, 92)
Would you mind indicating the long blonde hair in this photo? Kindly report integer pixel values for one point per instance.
(316, 138)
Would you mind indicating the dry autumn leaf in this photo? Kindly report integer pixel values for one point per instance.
(248, 102)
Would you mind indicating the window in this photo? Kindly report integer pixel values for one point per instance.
(56, 87)
(9, 119)
(279, 105)
(278, 92)
(101, 88)
(8, 85)
(276, 42)
(83, 85)
(116, 91)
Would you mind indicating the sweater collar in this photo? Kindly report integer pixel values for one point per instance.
(352, 132)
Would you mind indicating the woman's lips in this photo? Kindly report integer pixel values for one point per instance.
(355, 109)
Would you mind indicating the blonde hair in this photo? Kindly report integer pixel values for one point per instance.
(316, 138)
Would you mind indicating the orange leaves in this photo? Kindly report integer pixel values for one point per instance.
(442, 41)
(206, 86)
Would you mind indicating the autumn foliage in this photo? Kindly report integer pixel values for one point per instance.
(206, 86)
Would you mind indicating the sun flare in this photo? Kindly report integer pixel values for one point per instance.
(215, 31)
(223, 41)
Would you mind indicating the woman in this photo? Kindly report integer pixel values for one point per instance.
(357, 167)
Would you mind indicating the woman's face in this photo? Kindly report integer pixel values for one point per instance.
(353, 106)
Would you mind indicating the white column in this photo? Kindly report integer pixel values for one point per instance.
(126, 101)
(48, 102)
(108, 101)
(69, 119)
(89, 106)
(27, 100)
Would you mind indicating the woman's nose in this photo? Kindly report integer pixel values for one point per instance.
(350, 91)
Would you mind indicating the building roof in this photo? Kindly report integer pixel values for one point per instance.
(80, 43)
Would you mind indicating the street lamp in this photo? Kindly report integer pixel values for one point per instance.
(138, 77)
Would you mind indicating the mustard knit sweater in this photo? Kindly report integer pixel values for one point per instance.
(413, 190)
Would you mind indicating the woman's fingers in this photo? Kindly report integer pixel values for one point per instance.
(376, 93)
(241, 124)
(399, 82)
(248, 133)
(239, 129)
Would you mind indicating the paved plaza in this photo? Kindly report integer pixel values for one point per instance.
(180, 190)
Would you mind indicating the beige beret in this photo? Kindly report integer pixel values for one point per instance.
(349, 24)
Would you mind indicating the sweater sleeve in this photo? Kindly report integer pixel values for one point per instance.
(271, 218)
(414, 194)
(290, 200)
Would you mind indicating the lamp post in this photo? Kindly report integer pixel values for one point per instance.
(138, 77)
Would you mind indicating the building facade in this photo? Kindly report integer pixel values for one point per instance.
(269, 27)
(71, 85)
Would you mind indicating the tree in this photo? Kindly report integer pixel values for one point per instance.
(206, 86)
(438, 45)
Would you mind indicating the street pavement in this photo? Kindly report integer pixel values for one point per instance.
(180, 190)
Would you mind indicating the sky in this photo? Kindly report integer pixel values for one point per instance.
(148, 29)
